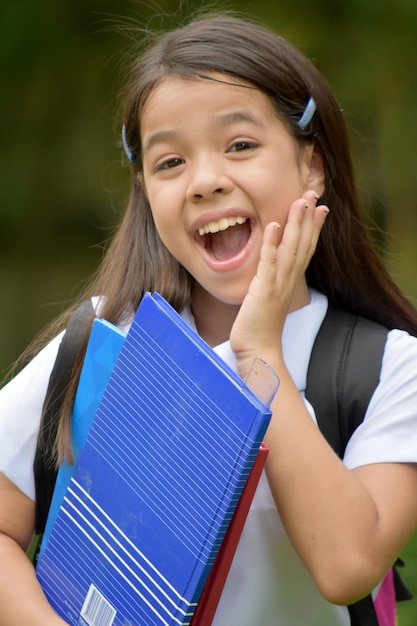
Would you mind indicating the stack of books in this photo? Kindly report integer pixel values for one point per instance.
(144, 528)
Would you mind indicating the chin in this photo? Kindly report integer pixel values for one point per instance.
(230, 298)
(227, 293)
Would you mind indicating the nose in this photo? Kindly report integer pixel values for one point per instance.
(208, 177)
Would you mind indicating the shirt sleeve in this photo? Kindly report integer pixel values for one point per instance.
(21, 401)
(388, 433)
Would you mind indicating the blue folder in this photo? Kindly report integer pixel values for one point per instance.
(164, 464)
(102, 351)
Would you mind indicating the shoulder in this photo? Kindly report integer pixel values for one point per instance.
(21, 401)
(399, 368)
(401, 348)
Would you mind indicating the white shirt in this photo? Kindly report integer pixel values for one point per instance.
(267, 584)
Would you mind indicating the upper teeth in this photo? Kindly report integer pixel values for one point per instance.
(222, 224)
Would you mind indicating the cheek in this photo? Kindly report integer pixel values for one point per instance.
(167, 231)
(276, 198)
(168, 224)
(276, 210)
(163, 209)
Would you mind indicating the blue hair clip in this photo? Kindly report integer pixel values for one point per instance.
(130, 155)
(307, 116)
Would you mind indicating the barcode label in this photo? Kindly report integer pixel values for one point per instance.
(96, 610)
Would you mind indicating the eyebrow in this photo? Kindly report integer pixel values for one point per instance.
(162, 136)
(220, 121)
(228, 119)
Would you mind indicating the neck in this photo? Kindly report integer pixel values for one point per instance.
(214, 319)
(301, 296)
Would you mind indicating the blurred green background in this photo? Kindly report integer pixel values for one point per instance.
(62, 183)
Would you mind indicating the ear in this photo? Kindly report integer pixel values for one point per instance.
(313, 168)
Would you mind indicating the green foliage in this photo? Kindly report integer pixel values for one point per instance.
(62, 185)
(407, 610)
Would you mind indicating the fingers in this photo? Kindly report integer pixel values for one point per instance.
(302, 231)
(267, 267)
(319, 212)
(270, 243)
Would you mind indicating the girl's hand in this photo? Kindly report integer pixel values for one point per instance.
(279, 284)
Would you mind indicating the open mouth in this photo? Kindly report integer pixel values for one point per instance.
(225, 239)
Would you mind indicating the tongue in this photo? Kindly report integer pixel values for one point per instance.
(226, 244)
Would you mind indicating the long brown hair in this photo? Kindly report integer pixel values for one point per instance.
(345, 266)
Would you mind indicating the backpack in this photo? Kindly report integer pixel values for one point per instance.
(342, 375)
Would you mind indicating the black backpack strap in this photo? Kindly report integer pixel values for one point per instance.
(362, 613)
(402, 592)
(45, 470)
(343, 372)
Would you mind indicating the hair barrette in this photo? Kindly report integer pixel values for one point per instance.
(307, 116)
(130, 155)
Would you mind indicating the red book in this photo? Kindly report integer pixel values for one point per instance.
(213, 588)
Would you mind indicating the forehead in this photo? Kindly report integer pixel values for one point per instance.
(177, 100)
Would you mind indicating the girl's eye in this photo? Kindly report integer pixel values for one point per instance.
(169, 163)
(238, 146)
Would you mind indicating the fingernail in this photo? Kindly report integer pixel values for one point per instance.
(326, 210)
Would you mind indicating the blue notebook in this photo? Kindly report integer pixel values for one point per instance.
(102, 351)
(164, 464)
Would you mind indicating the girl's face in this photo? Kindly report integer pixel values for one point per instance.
(218, 166)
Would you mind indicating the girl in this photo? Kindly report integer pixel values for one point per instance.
(233, 138)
